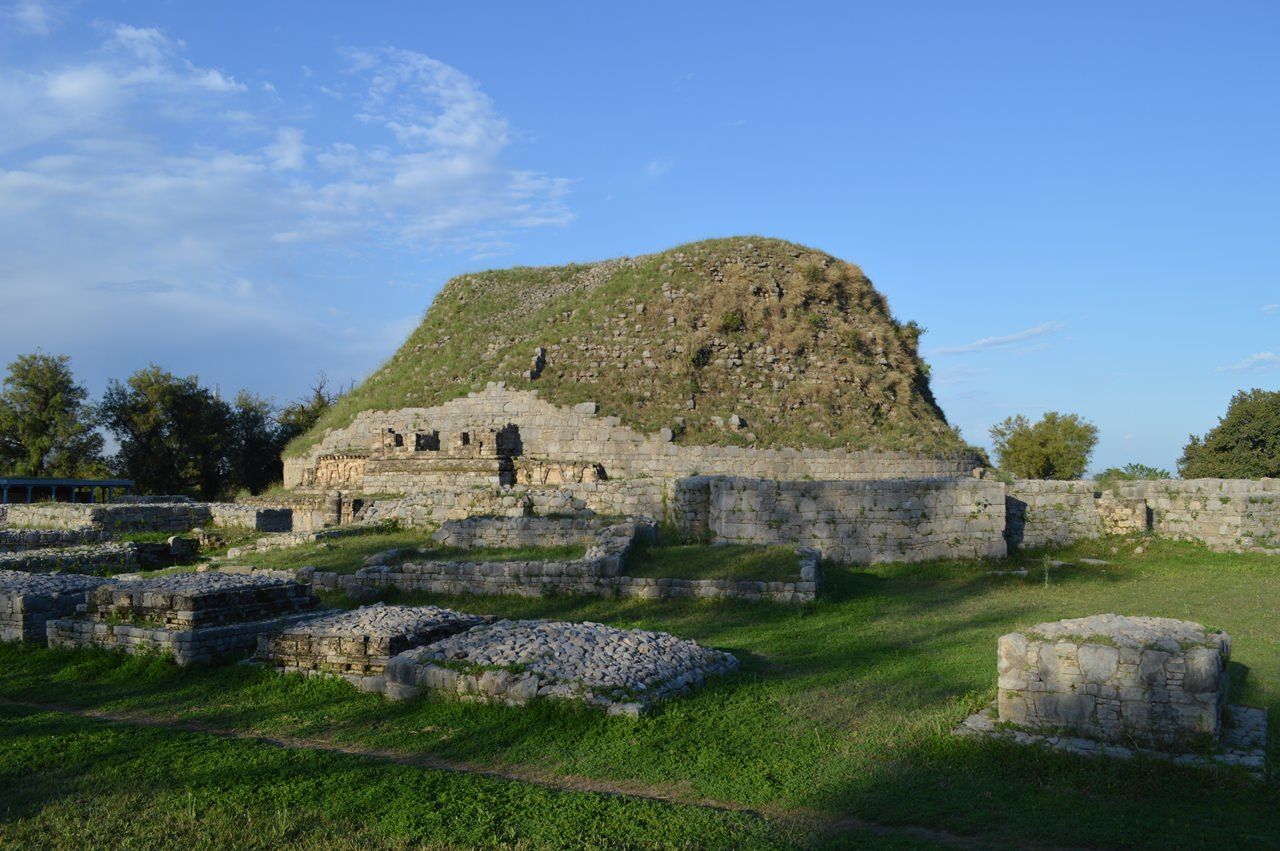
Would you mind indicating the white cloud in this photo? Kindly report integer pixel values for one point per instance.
(1270, 308)
(1259, 362)
(33, 17)
(144, 196)
(999, 342)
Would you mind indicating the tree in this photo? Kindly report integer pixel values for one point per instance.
(1057, 447)
(46, 429)
(173, 433)
(1244, 445)
(254, 443)
(1113, 476)
(298, 417)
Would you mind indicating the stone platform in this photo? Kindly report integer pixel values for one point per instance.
(357, 644)
(622, 671)
(194, 600)
(29, 600)
(1126, 680)
(191, 617)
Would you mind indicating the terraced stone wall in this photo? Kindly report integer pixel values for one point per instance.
(551, 433)
(909, 520)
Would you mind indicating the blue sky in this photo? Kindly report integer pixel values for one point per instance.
(1078, 201)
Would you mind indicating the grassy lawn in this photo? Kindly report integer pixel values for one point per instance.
(842, 708)
(722, 561)
(346, 555)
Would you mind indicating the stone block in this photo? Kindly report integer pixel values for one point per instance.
(1125, 680)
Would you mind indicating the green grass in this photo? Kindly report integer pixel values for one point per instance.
(347, 554)
(835, 329)
(69, 782)
(722, 561)
(844, 706)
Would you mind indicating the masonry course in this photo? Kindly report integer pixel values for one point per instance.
(29, 600)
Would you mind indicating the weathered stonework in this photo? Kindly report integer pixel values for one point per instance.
(112, 517)
(1050, 513)
(91, 558)
(21, 540)
(193, 617)
(511, 532)
(29, 600)
(356, 644)
(1151, 681)
(898, 520)
(577, 439)
(622, 671)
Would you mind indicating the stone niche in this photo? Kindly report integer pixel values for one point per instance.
(1144, 681)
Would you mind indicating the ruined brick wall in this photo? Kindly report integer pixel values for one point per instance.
(896, 520)
(576, 438)
(1042, 513)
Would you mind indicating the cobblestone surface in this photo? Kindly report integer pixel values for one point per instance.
(623, 671)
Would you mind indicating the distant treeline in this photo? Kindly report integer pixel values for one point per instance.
(173, 434)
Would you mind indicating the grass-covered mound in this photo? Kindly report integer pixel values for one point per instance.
(793, 340)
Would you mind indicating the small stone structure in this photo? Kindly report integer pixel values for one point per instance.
(514, 662)
(602, 562)
(356, 645)
(1152, 681)
(90, 558)
(29, 600)
(193, 617)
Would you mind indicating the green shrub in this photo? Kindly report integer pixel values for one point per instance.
(1056, 447)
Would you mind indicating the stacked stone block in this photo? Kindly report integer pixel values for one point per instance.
(515, 532)
(898, 520)
(1125, 680)
(514, 662)
(193, 617)
(1050, 513)
(20, 540)
(29, 600)
(90, 558)
(357, 644)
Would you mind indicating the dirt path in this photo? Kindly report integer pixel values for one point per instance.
(528, 774)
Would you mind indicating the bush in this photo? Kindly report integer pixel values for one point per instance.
(1057, 447)
(1113, 476)
(1244, 445)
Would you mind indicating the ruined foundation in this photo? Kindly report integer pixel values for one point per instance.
(192, 617)
(356, 645)
(622, 671)
(29, 600)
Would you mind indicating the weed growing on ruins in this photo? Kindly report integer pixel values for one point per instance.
(843, 706)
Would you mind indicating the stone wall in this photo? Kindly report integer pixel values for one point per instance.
(261, 519)
(902, 520)
(113, 517)
(514, 532)
(20, 540)
(577, 436)
(1225, 514)
(91, 558)
(1042, 513)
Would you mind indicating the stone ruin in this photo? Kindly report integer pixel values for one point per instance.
(356, 645)
(191, 617)
(1114, 685)
(622, 671)
(29, 600)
